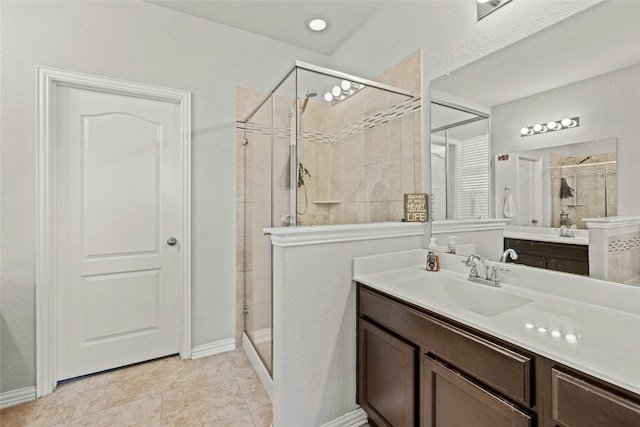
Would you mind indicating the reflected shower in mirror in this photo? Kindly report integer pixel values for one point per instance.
(459, 162)
(559, 185)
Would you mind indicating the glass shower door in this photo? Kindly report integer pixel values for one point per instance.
(257, 246)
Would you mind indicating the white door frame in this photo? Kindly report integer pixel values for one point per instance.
(49, 80)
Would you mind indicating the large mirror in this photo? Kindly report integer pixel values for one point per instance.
(538, 170)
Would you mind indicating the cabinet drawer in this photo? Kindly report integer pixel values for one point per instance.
(450, 399)
(577, 403)
(500, 368)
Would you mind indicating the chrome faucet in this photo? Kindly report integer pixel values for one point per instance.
(485, 278)
(509, 253)
(474, 267)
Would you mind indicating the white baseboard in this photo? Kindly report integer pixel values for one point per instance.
(16, 397)
(354, 418)
(261, 335)
(262, 372)
(210, 349)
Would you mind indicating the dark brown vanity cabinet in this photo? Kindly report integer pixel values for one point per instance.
(579, 402)
(565, 257)
(416, 368)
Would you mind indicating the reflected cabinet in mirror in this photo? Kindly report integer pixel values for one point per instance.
(545, 132)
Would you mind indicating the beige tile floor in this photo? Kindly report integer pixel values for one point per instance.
(220, 390)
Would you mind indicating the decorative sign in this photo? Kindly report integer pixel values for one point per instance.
(415, 207)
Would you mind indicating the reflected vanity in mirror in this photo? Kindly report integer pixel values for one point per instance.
(548, 180)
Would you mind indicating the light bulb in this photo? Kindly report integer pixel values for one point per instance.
(542, 330)
(328, 97)
(556, 333)
(345, 85)
(571, 337)
(528, 325)
(539, 128)
(568, 123)
(553, 126)
(482, 1)
(336, 91)
(525, 131)
(317, 24)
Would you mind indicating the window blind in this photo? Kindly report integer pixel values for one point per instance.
(472, 178)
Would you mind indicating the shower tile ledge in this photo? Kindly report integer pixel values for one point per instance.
(323, 234)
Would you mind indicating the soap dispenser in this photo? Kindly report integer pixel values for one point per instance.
(433, 260)
(451, 245)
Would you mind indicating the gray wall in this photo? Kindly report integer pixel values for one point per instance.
(140, 42)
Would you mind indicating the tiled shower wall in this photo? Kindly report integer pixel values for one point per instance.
(588, 182)
(363, 154)
(624, 258)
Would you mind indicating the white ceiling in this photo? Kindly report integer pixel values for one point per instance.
(599, 40)
(284, 20)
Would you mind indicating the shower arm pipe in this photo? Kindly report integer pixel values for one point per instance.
(460, 108)
(582, 165)
(327, 72)
(605, 169)
(456, 124)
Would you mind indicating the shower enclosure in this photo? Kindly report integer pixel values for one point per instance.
(321, 148)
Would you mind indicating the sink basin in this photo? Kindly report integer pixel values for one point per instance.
(475, 297)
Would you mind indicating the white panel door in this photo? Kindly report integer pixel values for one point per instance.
(120, 200)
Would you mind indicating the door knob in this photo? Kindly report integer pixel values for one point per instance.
(172, 241)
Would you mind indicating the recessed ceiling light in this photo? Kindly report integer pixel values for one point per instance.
(317, 24)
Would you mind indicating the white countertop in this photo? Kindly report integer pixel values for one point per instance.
(544, 234)
(603, 316)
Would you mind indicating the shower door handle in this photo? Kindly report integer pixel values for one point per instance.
(172, 241)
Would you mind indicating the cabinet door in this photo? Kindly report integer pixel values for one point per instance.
(577, 403)
(531, 260)
(451, 400)
(569, 265)
(386, 377)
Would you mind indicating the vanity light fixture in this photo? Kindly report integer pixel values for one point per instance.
(485, 7)
(551, 126)
(342, 90)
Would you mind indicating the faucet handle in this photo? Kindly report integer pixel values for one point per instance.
(494, 273)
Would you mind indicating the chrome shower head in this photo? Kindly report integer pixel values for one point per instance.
(310, 94)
